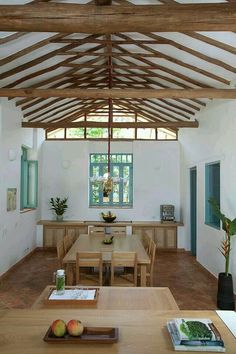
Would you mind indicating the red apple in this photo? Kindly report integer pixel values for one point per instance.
(75, 327)
(58, 328)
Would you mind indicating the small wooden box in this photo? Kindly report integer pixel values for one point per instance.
(71, 302)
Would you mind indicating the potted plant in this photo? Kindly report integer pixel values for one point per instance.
(59, 206)
(225, 295)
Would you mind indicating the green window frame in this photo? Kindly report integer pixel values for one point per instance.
(29, 181)
(121, 166)
(212, 189)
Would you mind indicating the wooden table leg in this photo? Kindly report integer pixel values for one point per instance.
(143, 276)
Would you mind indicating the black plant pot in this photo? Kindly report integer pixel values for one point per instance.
(225, 294)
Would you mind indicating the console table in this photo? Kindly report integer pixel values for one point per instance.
(164, 234)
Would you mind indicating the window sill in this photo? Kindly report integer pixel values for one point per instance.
(212, 225)
(26, 210)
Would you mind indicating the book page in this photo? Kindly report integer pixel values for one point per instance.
(229, 318)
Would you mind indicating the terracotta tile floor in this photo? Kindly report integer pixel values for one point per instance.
(192, 287)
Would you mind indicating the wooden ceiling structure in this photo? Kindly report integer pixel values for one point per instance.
(161, 60)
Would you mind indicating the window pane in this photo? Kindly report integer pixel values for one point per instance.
(95, 193)
(165, 134)
(75, 133)
(129, 158)
(93, 133)
(116, 171)
(147, 133)
(126, 192)
(116, 188)
(56, 134)
(95, 172)
(123, 133)
(126, 171)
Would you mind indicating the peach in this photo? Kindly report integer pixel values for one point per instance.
(58, 328)
(75, 327)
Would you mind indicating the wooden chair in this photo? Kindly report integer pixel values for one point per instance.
(60, 252)
(68, 241)
(150, 268)
(84, 262)
(128, 261)
(146, 241)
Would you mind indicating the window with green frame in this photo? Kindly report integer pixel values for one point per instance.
(212, 190)
(29, 181)
(121, 167)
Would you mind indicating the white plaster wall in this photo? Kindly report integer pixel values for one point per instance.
(17, 231)
(156, 178)
(214, 140)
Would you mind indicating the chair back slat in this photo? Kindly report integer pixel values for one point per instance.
(89, 260)
(152, 255)
(68, 241)
(127, 260)
(60, 252)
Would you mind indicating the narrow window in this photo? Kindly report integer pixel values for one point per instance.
(29, 181)
(212, 190)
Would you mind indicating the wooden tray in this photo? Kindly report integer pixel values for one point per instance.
(90, 335)
(72, 302)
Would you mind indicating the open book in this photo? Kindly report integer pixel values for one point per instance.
(193, 334)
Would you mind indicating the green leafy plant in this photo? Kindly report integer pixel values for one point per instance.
(229, 226)
(59, 205)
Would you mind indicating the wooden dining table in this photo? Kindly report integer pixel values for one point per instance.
(140, 331)
(115, 298)
(94, 243)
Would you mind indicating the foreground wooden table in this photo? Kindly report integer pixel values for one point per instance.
(121, 298)
(140, 332)
(90, 243)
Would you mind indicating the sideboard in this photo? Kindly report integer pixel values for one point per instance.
(164, 234)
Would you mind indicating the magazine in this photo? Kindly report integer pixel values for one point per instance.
(191, 334)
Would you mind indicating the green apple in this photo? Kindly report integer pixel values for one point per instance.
(58, 328)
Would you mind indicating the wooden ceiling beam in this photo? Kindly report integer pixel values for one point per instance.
(181, 124)
(56, 17)
(116, 41)
(127, 93)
